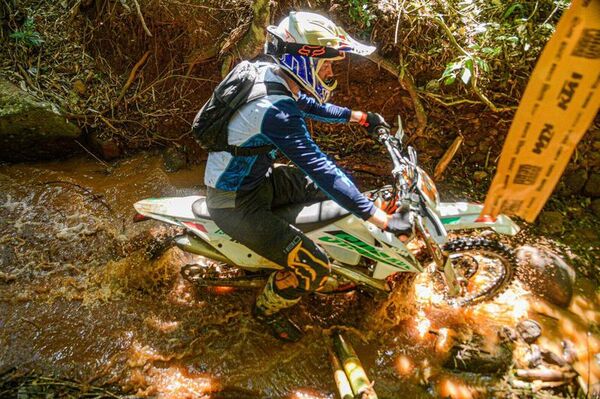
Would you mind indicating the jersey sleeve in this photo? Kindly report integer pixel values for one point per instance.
(328, 113)
(283, 124)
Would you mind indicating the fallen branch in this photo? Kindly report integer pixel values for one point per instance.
(85, 191)
(447, 102)
(95, 157)
(132, 76)
(545, 374)
(447, 158)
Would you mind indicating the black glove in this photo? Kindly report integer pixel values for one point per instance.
(373, 121)
(400, 223)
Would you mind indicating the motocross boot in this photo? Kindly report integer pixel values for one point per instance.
(267, 310)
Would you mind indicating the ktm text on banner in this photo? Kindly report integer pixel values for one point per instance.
(560, 101)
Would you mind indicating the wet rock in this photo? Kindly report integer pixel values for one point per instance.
(507, 334)
(480, 176)
(552, 358)
(551, 222)
(477, 158)
(105, 146)
(471, 357)
(31, 129)
(588, 234)
(575, 181)
(174, 159)
(569, 351)
(533, 356)
(592, 186)
(472, 141)
(484, 145)
(595, 206)
(529, 330)
(546, 275)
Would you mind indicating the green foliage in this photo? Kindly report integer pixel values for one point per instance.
(463, 67)
(27, 35)
(498, 35)
(360, 13)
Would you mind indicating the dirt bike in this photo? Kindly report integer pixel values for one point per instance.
(472, 270)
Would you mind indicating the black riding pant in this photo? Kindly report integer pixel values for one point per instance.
(251, 219)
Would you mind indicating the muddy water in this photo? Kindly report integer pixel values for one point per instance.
(86, 294)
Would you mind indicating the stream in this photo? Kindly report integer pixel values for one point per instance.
(89, 296)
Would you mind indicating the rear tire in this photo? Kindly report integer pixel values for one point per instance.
(469, 253)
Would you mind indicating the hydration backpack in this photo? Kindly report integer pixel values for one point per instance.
(239, 87)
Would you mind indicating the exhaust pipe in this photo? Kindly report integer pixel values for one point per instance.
(189, 243)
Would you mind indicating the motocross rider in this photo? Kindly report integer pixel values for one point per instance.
(243, 191)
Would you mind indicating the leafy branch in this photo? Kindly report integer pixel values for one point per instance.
(468, 66)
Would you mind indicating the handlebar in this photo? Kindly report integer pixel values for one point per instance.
(405, 167)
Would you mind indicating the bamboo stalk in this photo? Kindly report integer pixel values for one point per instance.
(361, 387)
(340, 378)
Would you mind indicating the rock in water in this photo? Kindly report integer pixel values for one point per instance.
(552, 222)
(472, 357)
(31, 129)
(529, 330)
(546, 275)
(174, 159)
(592, 186)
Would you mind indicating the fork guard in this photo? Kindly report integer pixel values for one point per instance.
(467, 215)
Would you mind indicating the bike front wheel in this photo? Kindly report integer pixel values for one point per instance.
(485, 268)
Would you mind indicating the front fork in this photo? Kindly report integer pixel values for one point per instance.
(440, 257)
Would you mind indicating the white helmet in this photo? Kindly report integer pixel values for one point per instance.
(303, 41)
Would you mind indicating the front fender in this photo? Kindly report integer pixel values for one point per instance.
(466, 215)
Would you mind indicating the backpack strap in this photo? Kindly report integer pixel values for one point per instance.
(272, 88)
(275, 88)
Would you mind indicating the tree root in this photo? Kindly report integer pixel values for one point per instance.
(253, 41)
(141, 16)
(131, 77)
(408, 83)
(248, 47)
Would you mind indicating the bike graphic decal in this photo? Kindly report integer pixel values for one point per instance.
(450, 220)
(348, 241)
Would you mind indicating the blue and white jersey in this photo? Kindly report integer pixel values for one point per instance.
(278, 120)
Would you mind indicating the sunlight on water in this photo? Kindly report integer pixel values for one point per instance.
(404, 366)
(308, 394)
(425, 293)
(175, 382)
(455, 389)
(423, 323)
(162, 325)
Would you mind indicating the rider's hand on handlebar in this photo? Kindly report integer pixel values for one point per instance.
(371, 121)
(400, 223)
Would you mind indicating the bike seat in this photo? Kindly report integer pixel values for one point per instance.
(306, 217)
(309, 217)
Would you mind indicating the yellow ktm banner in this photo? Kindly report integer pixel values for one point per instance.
(560, 101)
